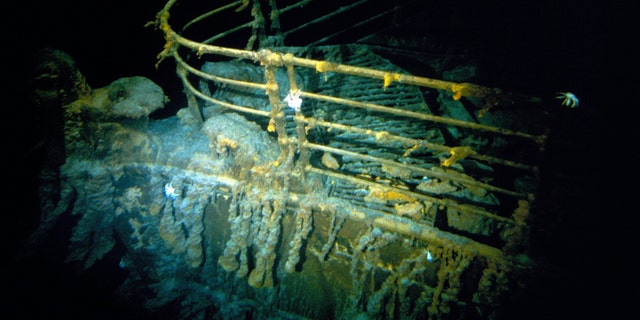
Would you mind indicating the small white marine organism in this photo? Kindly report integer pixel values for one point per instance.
(293, 100)
(428, 255)
(170, 191)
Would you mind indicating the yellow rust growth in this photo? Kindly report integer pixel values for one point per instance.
(272, 125)
(162, 22)
(457, 88)
(457, 153)
(324, 66)
(200, 51)
(413, 210)
(270, 58)
(388, 78)
(166, 51)
(277, 114)
(410, 150)
(381, 136)
(384, 195)
(226, 142)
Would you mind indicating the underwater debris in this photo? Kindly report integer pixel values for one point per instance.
(356, 204)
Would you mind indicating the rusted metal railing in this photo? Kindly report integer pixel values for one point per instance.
(271, 60)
